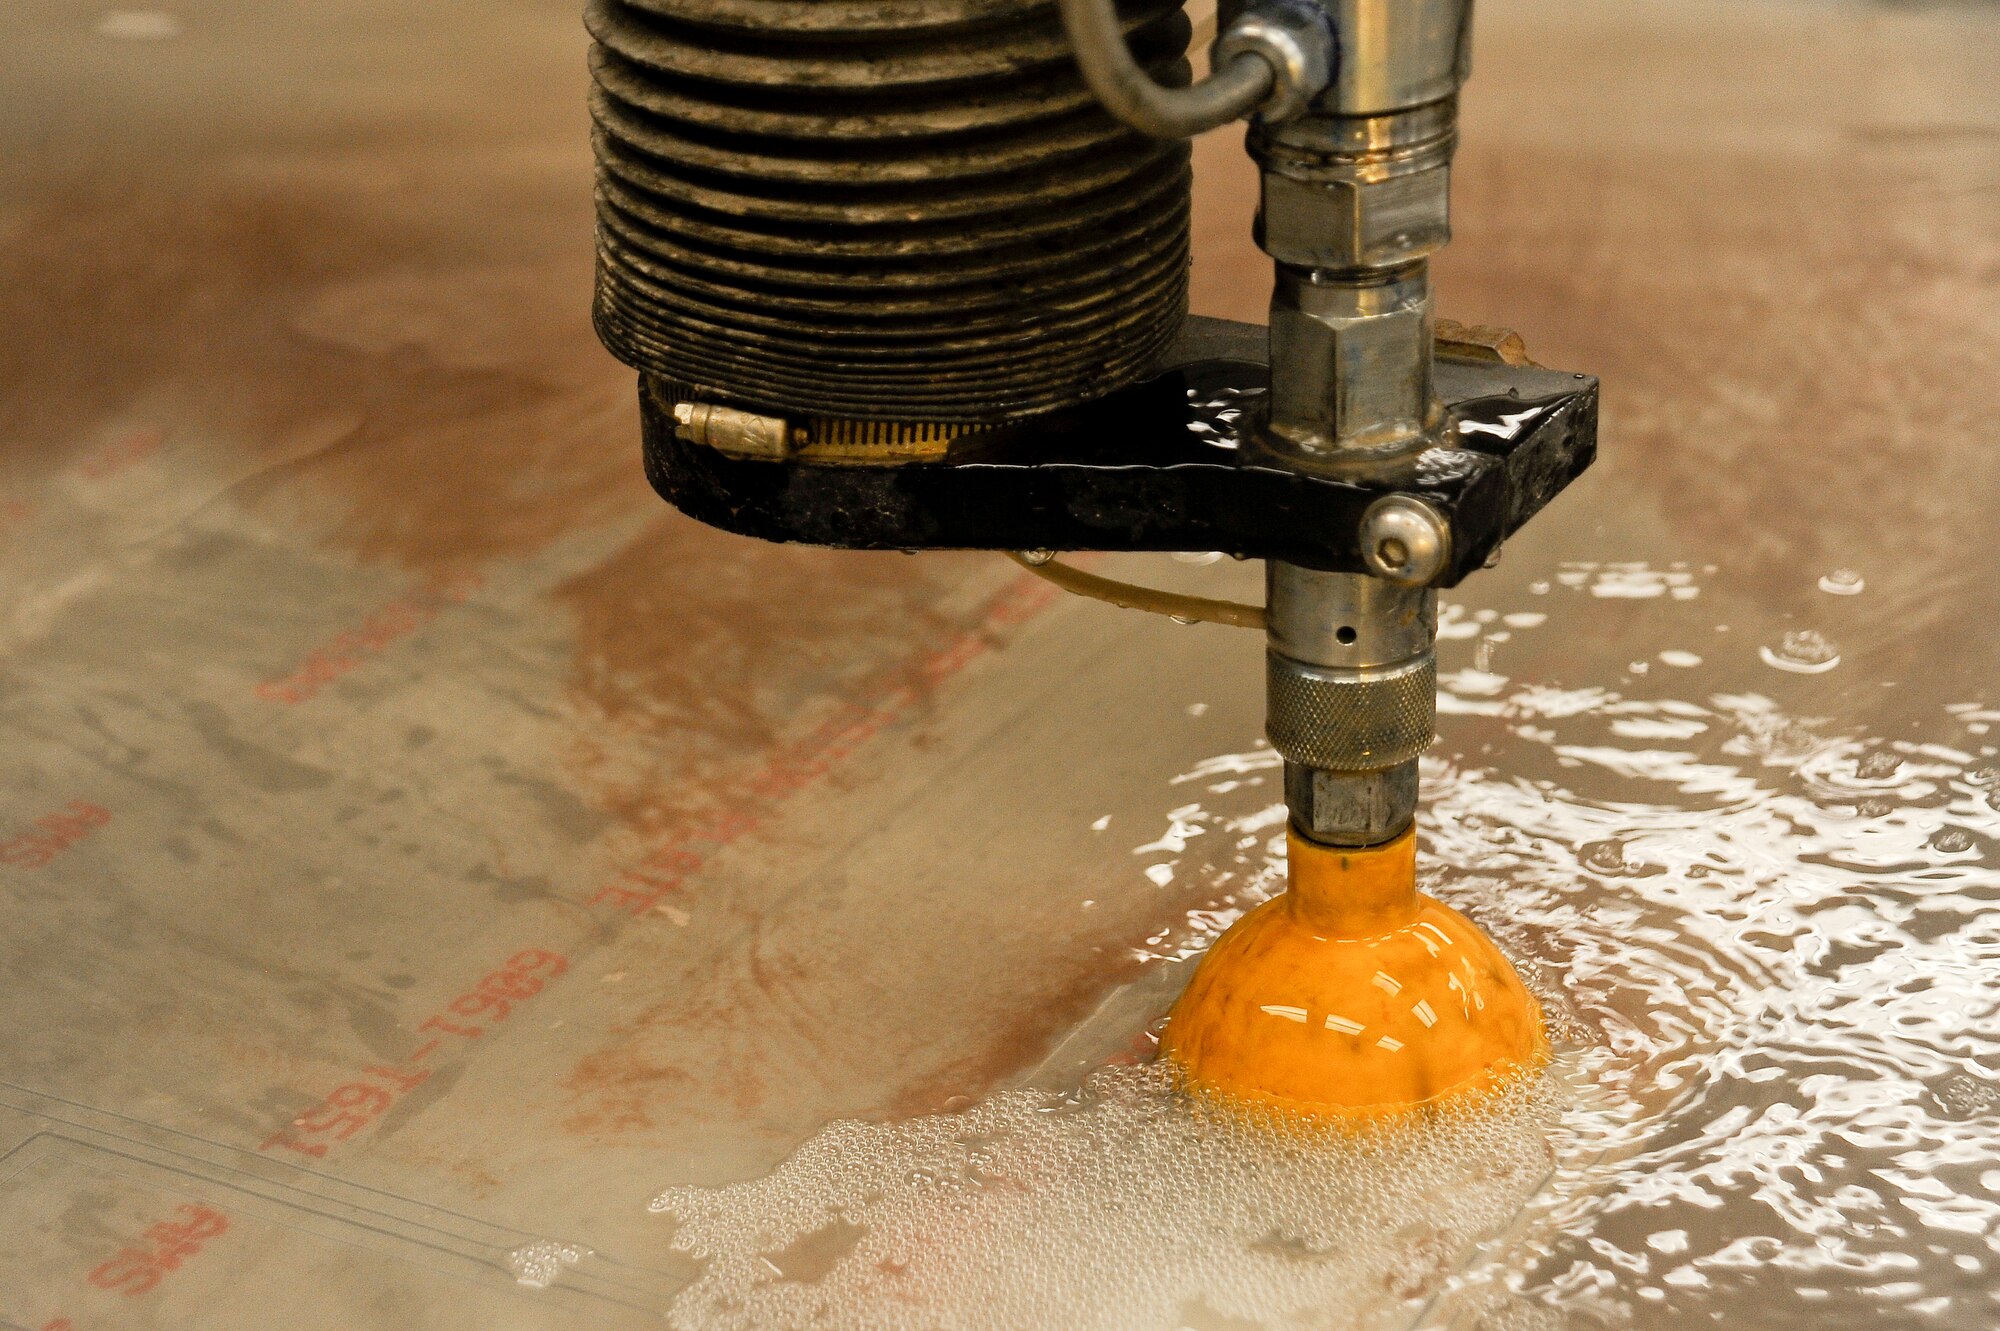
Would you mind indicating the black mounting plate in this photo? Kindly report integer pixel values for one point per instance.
(1166, 464)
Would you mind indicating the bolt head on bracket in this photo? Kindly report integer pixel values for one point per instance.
(1405, 540)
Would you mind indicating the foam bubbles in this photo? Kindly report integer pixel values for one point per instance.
(538, 1265)
(1123, 1204)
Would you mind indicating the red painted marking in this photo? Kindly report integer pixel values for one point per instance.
(796, 765)
(348, 650)
(53, 833)
(353, 1106)
(123, 453)
(60, 1324)
(140, 1268)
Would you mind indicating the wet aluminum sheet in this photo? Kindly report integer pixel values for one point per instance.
(418, 847)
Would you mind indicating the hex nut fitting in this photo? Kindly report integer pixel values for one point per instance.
(1350, 366)
(1352, 808)
(1405, 540)
(1355, 224)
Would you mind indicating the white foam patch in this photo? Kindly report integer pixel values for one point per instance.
(1121, 1206)
(538, 1265)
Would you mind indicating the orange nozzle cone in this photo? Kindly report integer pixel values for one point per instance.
(1352, 994)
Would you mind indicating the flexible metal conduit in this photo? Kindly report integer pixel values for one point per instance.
(1131, 94)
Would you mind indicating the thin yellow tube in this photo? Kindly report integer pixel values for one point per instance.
(1187, 609)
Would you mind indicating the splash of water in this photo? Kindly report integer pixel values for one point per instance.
(1120, 1205)
(1766, 948)
(1773, 948)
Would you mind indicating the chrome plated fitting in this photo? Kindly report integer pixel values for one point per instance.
(1295, 38)
(1351, 697)
(1351, 367)
(1356, 197)
(1351, 193)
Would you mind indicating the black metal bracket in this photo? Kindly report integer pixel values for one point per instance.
(1168, 464)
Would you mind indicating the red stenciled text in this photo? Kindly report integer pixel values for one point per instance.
(164, 1247)
(53, 833)
(355, 1105)
(351, 648)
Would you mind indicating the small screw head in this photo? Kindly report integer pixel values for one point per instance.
(1404, 540)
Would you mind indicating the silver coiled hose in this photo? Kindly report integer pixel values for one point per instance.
(1273, 60)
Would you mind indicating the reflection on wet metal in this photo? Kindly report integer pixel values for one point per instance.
(139, 25)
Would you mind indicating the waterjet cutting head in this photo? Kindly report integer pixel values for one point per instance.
(913, 276)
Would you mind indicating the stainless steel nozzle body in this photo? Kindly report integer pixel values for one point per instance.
(1356, 198)
(1351, 699)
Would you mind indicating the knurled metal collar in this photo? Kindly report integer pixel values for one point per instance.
(1348, 720)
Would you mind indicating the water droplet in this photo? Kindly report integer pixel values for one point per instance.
(1952, 840)
(1877, 765)
(1803, 652)
(1603, 856)
(1679, 659)
(1037, 557)
(1843, 582)
(1197, 556)
(1182, 619)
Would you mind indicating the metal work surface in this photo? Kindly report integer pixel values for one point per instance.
(420, 847)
